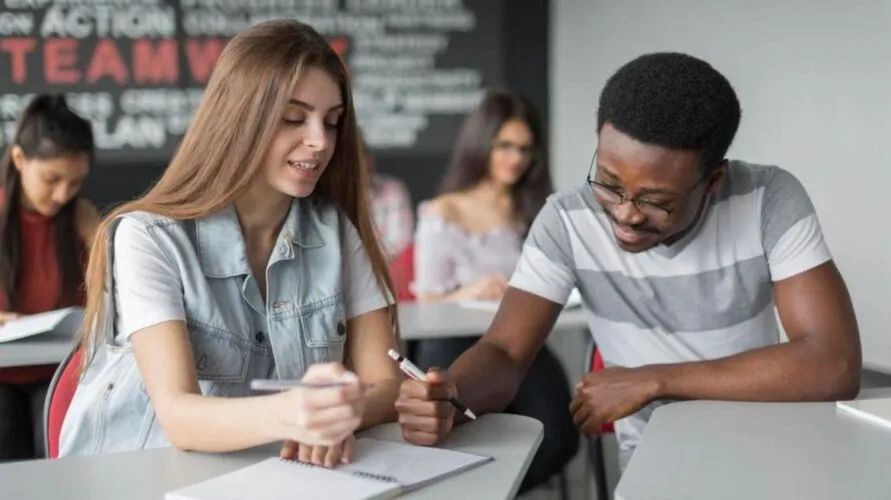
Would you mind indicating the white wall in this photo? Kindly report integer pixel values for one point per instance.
(814, 80)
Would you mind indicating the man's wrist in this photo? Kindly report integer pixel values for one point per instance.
(657, 379)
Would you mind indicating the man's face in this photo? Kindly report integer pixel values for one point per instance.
(667, 187)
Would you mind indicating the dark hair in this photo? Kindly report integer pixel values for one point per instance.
(470, 157)
(47, 129)
(673, 100)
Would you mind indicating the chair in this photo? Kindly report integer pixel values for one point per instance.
(58, 398)
(594, 362)
(402, 272)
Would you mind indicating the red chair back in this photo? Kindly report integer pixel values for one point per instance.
(402, 272)
(598, 366)
(58, 398)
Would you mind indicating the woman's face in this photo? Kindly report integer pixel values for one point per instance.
(512, 150)
(49, 184)
(307, 135)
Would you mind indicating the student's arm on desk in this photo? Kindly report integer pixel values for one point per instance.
(820, 362)
(485, 377)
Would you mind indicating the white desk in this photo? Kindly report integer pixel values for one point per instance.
(44, 349)
(148, 475)
(707, 450)
(428, 320)
(416, 320)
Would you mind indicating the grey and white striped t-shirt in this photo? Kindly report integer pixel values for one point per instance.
(707, 296)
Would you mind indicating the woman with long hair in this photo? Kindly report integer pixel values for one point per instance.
(45, 228)
(253, 257)
(469, 240)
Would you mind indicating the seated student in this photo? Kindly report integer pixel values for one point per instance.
(469, 240)
(253, 257)
(45, 229)
(680, 256)
(391, 208)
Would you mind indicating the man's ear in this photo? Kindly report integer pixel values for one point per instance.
(714, 178)
(18, 156)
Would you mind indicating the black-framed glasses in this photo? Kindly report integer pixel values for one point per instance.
(613, 196)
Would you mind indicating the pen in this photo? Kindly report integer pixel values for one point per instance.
(284, 385)
(414, 372)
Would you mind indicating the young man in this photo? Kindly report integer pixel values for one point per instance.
(681, 256)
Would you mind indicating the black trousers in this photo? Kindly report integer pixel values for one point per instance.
(543, 395)
(21, 421)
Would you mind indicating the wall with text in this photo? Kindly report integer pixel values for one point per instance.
(137, 68)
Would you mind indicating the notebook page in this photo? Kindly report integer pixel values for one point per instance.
(409, 465)
(277, 479)
(44, 322)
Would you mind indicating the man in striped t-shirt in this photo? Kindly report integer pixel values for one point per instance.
(681, 258)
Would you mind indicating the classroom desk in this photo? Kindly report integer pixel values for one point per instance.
(148, 475)
(43, 349)
(416, 321)
(429, 320)
(704, 450)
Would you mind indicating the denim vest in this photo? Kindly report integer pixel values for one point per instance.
(235, 337)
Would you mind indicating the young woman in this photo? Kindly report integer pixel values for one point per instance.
(469, 239)
(253, 257)
(45, 228)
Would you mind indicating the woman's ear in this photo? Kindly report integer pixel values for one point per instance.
(18, 157)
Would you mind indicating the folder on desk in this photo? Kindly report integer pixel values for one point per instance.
(875, 410)
(379, 470)
(66, 321)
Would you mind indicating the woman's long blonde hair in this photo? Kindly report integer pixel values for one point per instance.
(226, 145)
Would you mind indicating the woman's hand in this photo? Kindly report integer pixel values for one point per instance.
(7, 316)
(326, 456)
(323, 416)
(488, 287)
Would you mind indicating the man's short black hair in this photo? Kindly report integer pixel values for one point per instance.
(673, 100)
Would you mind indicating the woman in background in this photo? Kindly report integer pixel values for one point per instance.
(392, 210)
(469, 240)
(45, 229)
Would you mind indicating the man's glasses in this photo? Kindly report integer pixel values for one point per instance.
(614, 196)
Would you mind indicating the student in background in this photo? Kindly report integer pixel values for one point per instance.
(253, 257)
(469, 239)
(391, 207)
(45, 228)
(682, 257)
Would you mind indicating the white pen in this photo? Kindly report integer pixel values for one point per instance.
(414, 372)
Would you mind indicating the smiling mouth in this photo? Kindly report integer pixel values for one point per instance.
(306, 166)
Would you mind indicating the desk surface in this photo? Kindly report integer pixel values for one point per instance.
(706, 450)
(46, 349)
(423, 320)
(147, 475)
(416, 320)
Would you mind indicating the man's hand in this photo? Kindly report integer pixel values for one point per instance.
(326, 456)
(425, 413)
(611, 394)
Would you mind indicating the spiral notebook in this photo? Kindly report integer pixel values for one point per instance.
(379, 470)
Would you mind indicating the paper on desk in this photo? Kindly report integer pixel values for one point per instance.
(65, 321)
(574, 300)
